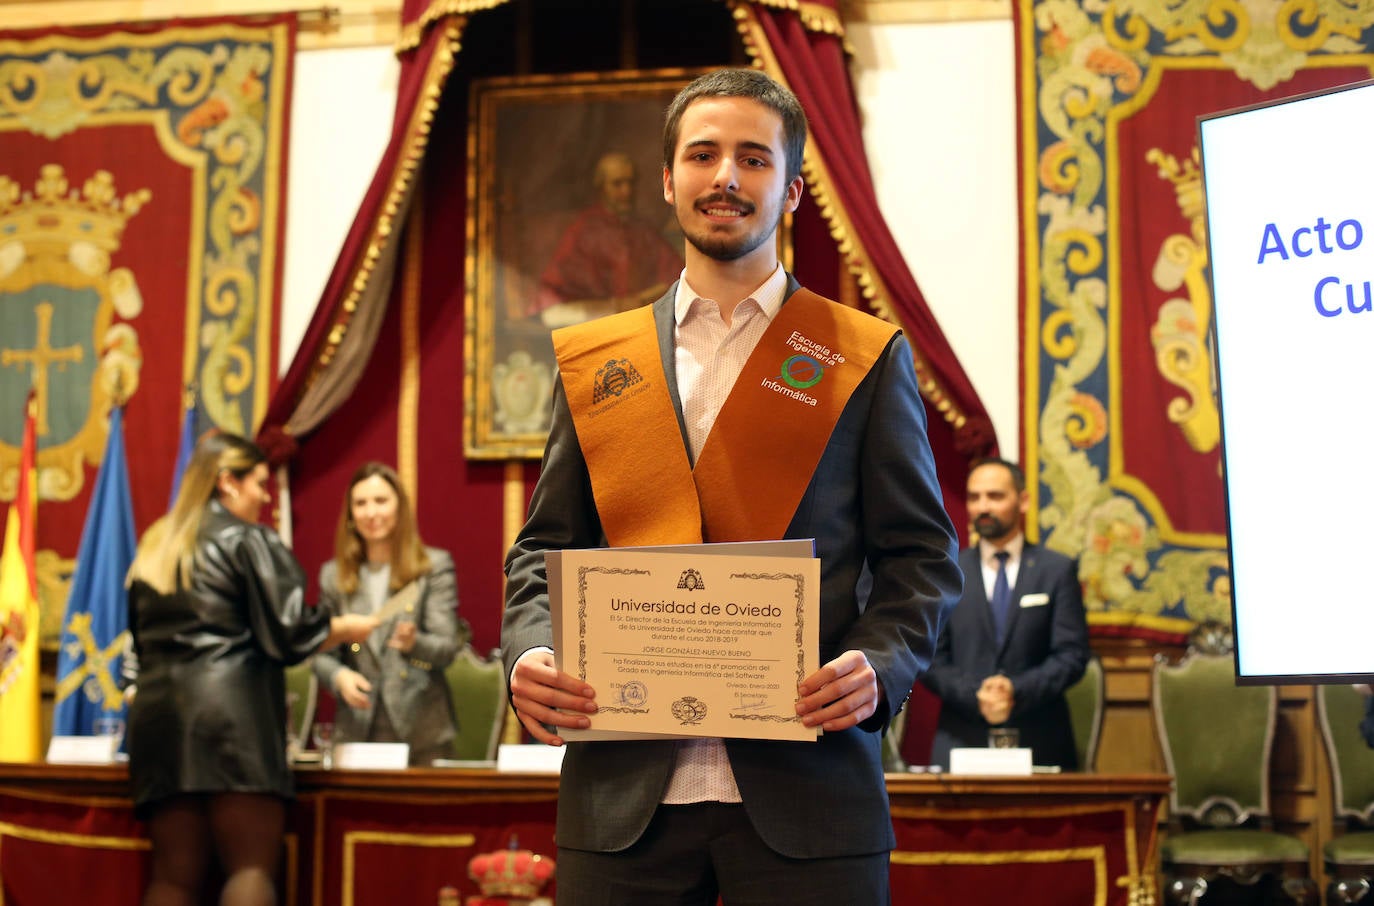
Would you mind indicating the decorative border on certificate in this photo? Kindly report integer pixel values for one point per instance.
(699, 641)
(633, 697)
(747, 701)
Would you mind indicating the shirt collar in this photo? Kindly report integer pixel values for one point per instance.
(769, 295)
(986, 551)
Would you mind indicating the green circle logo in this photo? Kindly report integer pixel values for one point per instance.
(802, 371)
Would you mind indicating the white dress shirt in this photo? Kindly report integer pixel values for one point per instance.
(987, 555)
(709, 357)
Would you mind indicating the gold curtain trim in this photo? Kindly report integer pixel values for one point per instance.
(384, 229)
(841, 230)
(814, 16)
(408, 403)
(414, 32)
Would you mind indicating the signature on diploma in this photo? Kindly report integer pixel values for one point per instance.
(749, 701)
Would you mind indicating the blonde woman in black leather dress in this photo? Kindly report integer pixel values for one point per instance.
(217, 608)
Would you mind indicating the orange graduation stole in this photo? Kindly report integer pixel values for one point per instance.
(763, 448)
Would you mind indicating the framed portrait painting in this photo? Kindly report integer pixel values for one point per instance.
(566, 222)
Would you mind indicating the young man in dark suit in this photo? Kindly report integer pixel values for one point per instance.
(1018, 637)
(706, 448)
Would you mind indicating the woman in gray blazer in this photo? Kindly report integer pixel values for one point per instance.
(390, 688)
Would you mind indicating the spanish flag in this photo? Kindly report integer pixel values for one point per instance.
(20, 723)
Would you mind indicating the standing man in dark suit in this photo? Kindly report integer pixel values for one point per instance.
(1009, 666)
(682, 423)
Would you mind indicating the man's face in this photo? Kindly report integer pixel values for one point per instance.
(728, 184)
(994, 504)
(618, 185)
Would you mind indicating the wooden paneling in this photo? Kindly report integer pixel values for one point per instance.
(379, 837)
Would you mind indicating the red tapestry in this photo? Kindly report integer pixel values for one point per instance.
(140, 233)
(1122, 433)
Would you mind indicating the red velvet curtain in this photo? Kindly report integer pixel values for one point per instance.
(349, 268)
(812, 62)
(808, 54)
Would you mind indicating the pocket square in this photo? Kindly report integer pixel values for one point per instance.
(1039, 600)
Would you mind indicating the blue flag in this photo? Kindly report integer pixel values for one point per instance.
(95, 627)
(185, 445)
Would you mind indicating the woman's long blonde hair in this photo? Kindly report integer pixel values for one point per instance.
(408, 557)
(166, 552)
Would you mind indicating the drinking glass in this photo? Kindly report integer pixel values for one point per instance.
(1004, 738)
(293, 738)
(111, 728)
(323, 734)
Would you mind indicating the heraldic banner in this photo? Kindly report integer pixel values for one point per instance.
(1122, 441)
(141, 189)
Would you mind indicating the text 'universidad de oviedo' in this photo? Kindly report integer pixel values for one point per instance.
(694, 608)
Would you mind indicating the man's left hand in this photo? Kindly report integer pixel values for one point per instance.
(843, 693)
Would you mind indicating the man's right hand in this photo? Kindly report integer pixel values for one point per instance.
(352, 687)
(542, 694)
(996, 699)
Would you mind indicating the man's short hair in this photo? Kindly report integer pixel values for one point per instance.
(741, 83)
(1018, 478)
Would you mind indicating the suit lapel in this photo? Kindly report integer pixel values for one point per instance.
(1025, 579)
(972, 564)
(665, 324)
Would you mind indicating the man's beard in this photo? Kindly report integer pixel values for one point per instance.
(989, 526)
(726, 248)
(730, 248)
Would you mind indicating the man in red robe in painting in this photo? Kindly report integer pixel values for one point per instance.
(609, 259)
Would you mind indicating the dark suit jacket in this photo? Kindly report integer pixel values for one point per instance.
(412, 686)
(1044, 653)
(873, 499)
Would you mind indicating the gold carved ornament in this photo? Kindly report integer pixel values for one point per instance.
(55, 239)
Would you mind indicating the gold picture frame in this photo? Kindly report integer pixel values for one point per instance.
(553, 233)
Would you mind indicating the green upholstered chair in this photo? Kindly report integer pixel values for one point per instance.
(1349, 857)
(302, 694)
(477, 687)
(1217, 739)
(1086, 699)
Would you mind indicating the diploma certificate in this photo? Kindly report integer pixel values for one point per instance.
(696, 640)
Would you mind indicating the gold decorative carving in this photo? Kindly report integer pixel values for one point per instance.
(1180, 331)
(55, 247)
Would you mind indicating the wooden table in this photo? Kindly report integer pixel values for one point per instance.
(366, 838)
